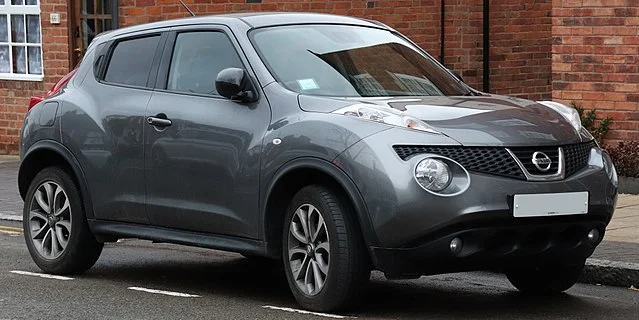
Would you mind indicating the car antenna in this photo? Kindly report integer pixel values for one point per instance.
(187, 8)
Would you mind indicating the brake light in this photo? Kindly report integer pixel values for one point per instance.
(56, 87)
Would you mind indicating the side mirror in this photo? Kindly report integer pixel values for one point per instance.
(457, 75)
(234, 84)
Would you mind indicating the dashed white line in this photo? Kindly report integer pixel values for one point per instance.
(326, 315)
(41, 275)
(168, 293)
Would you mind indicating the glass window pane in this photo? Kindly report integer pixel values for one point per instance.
(4, 29)
(19, 59)
(108, 6)
(5, 67)
(35, 60)
(33, 28)
(32, 2)
(17, 2)
(131, 61)
(198, 58)
(1, 2)
(87, 7)
(107, 25)
(17, 28)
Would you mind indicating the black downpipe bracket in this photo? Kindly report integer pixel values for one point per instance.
(441, 41)
(486, 50)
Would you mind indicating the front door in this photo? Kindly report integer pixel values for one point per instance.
(202, 151)
(87, 19)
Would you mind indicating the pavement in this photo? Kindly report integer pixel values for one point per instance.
(615, 261)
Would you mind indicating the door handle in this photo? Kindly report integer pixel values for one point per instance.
(159, 121)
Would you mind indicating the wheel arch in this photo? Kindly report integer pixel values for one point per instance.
(47, 153)
(296, 174)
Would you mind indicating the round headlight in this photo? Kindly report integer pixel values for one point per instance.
(433, 174)
(610, 168)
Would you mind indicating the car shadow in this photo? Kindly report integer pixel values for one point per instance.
(209, 272)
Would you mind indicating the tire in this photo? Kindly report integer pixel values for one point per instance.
(45, 232)
(347, 268)
(545, 280)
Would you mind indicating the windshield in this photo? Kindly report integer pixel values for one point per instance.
(349, 61)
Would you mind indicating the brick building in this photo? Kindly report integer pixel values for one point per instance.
(568, 50)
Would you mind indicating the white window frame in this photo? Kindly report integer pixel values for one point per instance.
(7, 10)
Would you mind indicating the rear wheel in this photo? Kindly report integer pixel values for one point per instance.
(55, 226)
(324, 257)
(545, 280)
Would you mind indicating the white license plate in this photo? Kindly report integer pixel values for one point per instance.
(550, 204)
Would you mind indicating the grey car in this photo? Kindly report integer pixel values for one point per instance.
(332, 144)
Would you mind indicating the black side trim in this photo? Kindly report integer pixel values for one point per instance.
(57, 147)
(335, 172)
(108, 229)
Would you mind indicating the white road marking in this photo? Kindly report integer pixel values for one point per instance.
(327, 315)
(41, 275)
(168, 293)
(10, 215)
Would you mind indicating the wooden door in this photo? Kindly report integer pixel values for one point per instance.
(88, 18)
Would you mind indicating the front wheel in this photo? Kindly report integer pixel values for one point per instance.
(545, 280)
(55, 226)
(323, 253)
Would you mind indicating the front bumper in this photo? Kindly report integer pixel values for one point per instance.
(413, 228)
(494, 244)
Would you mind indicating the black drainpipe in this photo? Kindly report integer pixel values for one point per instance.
(486, 75)
(441, 48)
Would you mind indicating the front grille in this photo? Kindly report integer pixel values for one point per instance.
(497, 161)
(490, 160)
(576, 156)
(525, 157)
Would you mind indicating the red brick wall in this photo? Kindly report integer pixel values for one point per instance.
(14, 95)
(595, 57)
(420, 20)
(520, 48)
(463, 40)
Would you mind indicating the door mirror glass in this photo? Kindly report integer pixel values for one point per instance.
(234, 84)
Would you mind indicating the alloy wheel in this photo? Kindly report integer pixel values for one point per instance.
(308, 249)
(50, 220)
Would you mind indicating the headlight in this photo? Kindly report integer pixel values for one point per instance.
(567, 112)
(609, 167)
(433, 174)
(385, 115)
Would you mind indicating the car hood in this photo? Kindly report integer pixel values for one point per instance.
(476, 120)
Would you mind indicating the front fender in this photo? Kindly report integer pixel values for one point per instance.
(332, 170)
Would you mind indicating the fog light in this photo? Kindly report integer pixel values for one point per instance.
(456, 245)
(593, 235)
(433, 174)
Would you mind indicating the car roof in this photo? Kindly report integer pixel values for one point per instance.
(253, 20)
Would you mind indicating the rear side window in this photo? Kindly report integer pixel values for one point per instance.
(130, 62)
(197, 59)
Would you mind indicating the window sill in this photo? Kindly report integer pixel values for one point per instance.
(21, 77)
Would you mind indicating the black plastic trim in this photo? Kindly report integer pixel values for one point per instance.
(109, 229)
(363, 218)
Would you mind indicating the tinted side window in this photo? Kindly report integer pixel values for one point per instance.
(197, 59)
(131, 60)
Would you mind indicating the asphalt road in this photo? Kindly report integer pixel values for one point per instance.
(227, 286)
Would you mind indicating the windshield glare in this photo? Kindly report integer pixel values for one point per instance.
(349, 61)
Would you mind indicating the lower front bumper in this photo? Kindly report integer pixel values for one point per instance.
(537, 242)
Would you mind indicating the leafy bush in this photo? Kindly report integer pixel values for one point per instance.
(588, 120)
(625, 156)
